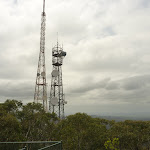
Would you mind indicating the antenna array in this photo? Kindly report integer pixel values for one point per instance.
(57, 98)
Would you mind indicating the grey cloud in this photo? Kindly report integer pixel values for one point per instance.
(109, 31)
(102, 39)
(112, 86)
(132, 90)
(136, 82)
(145, 3)
(21, 89)
(91, 86)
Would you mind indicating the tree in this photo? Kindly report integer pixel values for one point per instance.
(112, 145)
(10, 129)
(37, 125)
(132, 134)
(12, 106)
(25, 122)
(81, 132)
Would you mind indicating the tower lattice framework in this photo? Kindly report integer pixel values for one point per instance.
(57, 98)
(40, 95)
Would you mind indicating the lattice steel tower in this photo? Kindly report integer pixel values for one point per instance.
(40, 95)
(57, 98)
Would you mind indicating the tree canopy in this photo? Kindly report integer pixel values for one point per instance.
(29, 122)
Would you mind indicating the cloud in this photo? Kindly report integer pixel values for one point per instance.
(88, 86)
(127, 90)
(136, 82)
(107, 44)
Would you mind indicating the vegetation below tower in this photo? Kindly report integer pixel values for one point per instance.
(30, 122)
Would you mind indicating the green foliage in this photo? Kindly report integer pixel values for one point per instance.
(12, 106)
(10, 128)
(36, 122)
(81, 132)
(112, 145)
(131, 134)
(30, 122)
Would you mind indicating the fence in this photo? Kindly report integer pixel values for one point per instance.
(33, 145)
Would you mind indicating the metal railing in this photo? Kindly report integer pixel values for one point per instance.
(31, 145)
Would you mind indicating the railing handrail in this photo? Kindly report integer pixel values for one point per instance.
(50, 144)
(30, 142)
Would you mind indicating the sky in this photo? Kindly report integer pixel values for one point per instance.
(107, 67)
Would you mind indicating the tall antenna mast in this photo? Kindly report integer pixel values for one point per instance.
(57, 97)
(43, 6)
(40, 95)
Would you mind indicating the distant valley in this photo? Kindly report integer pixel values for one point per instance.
(123, 118)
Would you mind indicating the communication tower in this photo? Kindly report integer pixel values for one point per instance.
(57, 97)
(40, 95)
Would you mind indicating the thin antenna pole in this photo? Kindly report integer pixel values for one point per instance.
(43, 6)
(57, 37)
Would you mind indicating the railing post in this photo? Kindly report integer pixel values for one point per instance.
(61, 145)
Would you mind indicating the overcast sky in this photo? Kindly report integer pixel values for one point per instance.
(107, 67)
